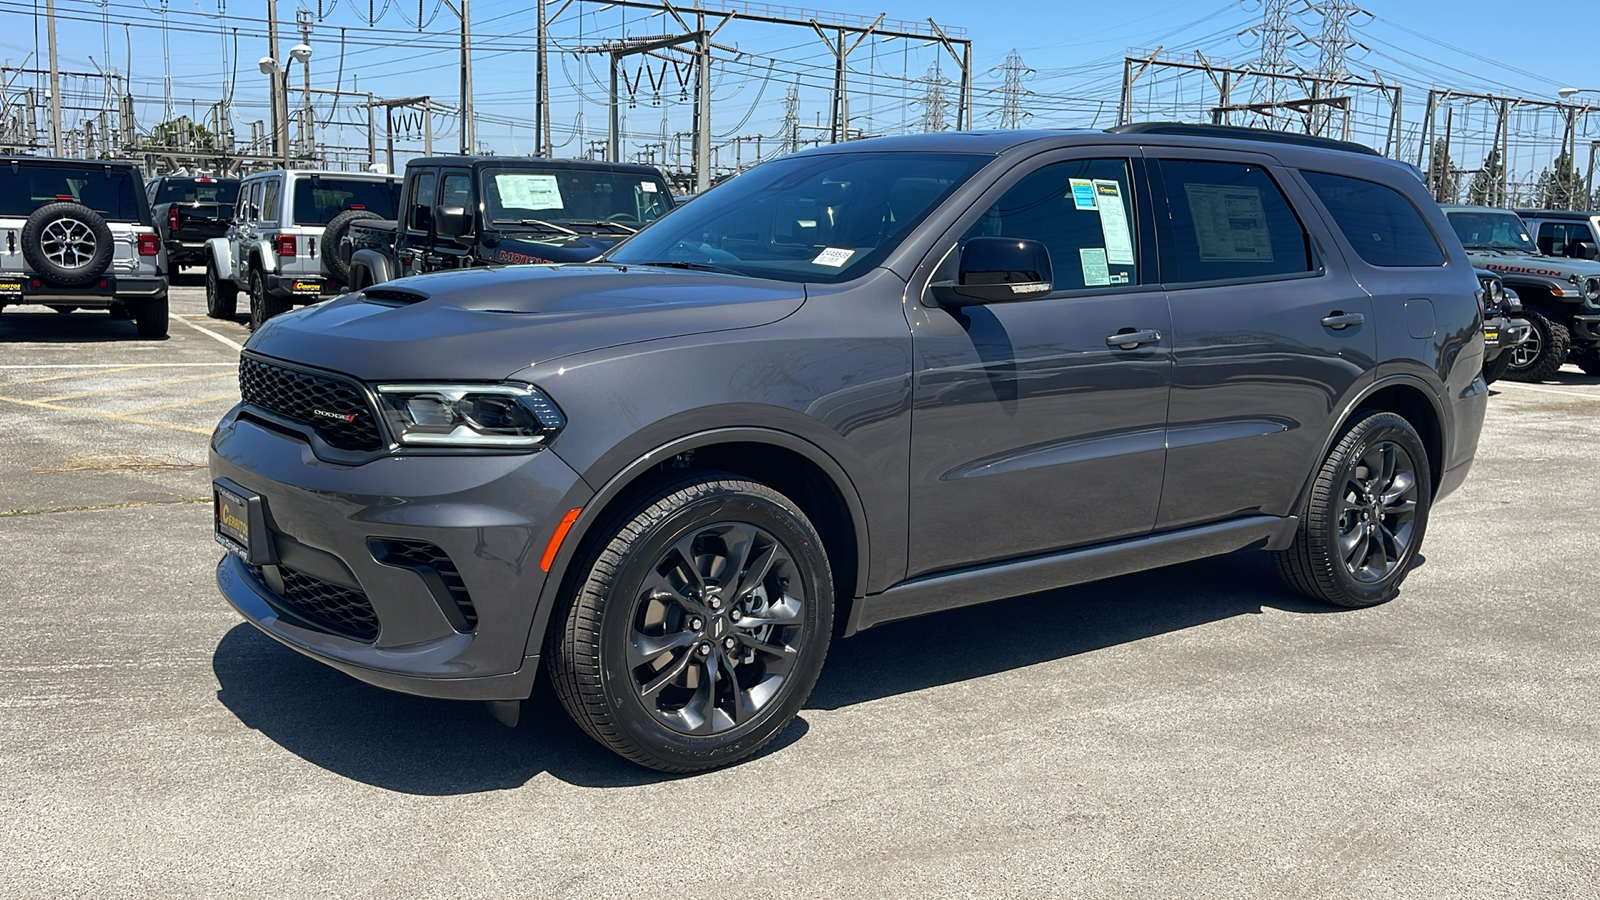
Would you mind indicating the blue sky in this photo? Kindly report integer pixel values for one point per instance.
(1076, 50)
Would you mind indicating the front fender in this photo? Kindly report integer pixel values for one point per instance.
(376, 264)
(221, 251)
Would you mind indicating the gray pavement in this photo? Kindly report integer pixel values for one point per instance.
(1194, 732)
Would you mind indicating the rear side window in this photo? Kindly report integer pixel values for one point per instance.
(1379, 222)
(1229, 222)
(1556, 237)
(1082, 211)
(269, 202)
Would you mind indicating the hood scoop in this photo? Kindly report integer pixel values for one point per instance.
(392, 296)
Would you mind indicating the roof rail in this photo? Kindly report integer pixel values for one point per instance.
(1234, 132)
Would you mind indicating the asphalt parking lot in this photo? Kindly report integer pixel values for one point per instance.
(1194, 732)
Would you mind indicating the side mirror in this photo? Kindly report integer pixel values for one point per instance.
(997, 270)
(1583, 250)
(450, 221)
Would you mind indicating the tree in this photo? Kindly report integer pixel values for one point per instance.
(180, 133)
(1442, 177)
(1485, 187)
(1560, 187)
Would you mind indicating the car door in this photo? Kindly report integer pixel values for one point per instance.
(242, 234)
(416, 220)
(1032, 431)
(1269, 333)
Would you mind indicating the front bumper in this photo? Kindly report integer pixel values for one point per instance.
(1501, 333)
(19, 287)
(1586, 328)
(186, 252)
(491, 515)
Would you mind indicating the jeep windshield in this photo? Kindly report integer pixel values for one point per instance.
(318, 198)
(814, 218)
(569, 201)
(108, 191)
(1493, 231)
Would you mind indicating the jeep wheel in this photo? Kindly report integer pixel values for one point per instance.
(222, 298)
(1588, 359)
(263, 305)
(1540, 356)
(697, 626)
(67, 244)
(150, 318)
(1364, 521)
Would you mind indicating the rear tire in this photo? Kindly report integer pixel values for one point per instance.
(263, 305)
(1364, 522)
(222, 298)
(1542, 354)
(150, 318)
(697, 625)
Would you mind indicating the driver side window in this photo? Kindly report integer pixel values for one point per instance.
(1082, 211)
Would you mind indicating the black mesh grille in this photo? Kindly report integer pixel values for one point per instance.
(340, 610)
(336, 408)
(422, 555)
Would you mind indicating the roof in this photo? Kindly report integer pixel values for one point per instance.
(1570, 214)
(539, 161)
(34, 160)
(1237, 133)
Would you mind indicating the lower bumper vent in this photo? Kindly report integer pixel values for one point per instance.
(438, 572)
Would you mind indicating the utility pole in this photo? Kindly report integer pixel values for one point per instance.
(308, 125)
(55, 81)
(702, 105)
(791, 118)
(280, 102)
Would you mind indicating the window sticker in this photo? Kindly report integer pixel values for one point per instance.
(519, 190)
(1095, 273)
(649, 187)
(833, 257)
(1114, 222)
(1082, 193)
(1229, 222)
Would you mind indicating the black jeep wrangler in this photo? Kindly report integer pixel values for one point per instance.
(463, 211)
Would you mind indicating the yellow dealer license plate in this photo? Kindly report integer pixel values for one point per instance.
(233, 521)
(10, 287)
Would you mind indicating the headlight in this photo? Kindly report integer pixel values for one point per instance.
(1591, 289)
(473, 416)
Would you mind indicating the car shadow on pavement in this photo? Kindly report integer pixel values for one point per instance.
(38, 325)
(417, 745)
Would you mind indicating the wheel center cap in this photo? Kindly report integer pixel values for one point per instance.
(719, 627)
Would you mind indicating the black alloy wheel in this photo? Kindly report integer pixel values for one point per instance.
(700, 628)
(222, 298)
(263, 305)
(1364, 521)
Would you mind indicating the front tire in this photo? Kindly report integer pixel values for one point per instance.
(1588, 359)
(1541, 355)
(222, 298)
(1364, 522)
(263, 305)
(698, 626)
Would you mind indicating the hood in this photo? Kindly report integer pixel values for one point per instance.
(1538, 266)
(515, 250)
(487, 323)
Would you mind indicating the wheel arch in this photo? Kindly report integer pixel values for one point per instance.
(791, 465)
(373, 263)
(1408, 397)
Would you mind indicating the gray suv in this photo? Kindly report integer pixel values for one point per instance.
(858, 384)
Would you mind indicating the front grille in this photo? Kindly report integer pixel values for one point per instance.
(341, 610)
(336, 408)
(425, 558)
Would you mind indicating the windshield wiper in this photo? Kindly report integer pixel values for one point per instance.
(683, 264)
(551, 226)
(606, 224)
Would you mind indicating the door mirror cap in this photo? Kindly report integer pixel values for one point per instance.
(450, 221)
(997, 270)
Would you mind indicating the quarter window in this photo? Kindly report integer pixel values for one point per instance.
(1082, 211)
(1382, 225)
(269, 202)
(1229, 222)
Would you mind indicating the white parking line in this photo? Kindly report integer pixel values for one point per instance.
(1545, 390)
(229, 341)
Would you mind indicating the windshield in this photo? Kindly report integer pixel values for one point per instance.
(825, 218)
(594, 198)
(109, 192)
(221, 191)
(318, 198)
(1492, 231)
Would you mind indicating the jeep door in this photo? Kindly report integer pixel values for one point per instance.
(1033, 430)
(414, 233)
(1270, 333)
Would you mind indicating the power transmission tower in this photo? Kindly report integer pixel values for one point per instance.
(1333, 43)
(1276, 31)
(791, 118)
(1010, 112)
(933, 100)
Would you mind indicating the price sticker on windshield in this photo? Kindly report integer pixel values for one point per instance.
(833, 257)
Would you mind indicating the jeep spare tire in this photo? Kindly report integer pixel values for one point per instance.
(333, 253)
(67, 244)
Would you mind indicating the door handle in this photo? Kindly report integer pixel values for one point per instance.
(1128, 339)
(1339, 321)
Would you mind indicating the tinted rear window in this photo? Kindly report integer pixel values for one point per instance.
(224, 191)
(317, 199)
(1230, 222)
(1380, 223)
(111, 193)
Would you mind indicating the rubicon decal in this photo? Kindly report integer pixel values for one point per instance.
(1523, 270)
(337, 417)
